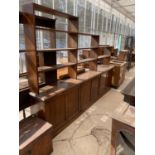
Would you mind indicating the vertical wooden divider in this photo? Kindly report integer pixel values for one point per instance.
(94, 52)
(73, 43)
(30, 43)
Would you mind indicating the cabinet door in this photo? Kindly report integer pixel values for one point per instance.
(55, 111)
(108, 80)
(72, 103)
(122, 73)
(85, 94)
(94, 89)
(102, 83)
(42, 146)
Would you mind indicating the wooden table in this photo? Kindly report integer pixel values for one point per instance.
(129, 93)
(122, 123)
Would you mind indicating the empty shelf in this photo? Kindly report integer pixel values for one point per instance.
(103, 56)
(49, 68)
(86, 60)
(87, 75)
(104, 68)
(55, 49)
(60, 86)
(81, 48)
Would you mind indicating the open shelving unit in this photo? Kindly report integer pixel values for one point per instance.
(68, 87)
(50, 67)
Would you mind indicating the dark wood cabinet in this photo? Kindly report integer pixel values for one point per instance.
(85, 91)
(118, 73)
(94, 89)
(55, 111)
(62, 108)
(108, 80)
(66, 98)
(35, 137)
(72, 102)
(105, 82)
(102, 84)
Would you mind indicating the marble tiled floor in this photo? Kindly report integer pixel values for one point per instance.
(90, 133)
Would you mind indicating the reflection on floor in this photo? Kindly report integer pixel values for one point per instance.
(90, 133)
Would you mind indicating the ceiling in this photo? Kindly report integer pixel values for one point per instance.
(126, 7)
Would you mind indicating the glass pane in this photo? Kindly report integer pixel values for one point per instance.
(84, 41)
(81, 9)
(60, 5)
(22, 63)
(61, 40)
(70, 6)
(61, 23)
(96, 20)
(21, 37)
(47, 3)
(105, 24)
(100, 20)
(88, 17)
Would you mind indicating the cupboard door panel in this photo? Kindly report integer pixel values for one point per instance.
(72, 103)
(102, 84)
(55, 111)
(109, 79)
(85, 95)
(94, 88)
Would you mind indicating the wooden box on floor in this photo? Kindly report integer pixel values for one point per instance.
(35, 137)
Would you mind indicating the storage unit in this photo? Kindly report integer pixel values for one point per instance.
(35, 137)
(65, 96)
(118, 73)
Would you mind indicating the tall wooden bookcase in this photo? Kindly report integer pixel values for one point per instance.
(50, 67)
(64, 99)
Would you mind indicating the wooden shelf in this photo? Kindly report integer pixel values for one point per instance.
(81, 48)
(39, 20)
(56, 49)
(55, 30)
(47, 59)
(86, 60)
(23, 74)
(86, 34)
(104, 68)
(65, 31)
(87, 75)
(52, 11)
(104, 45)
(60, 86)
(22, 51)
(49, 68)
(103, 56)
(118, 63)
